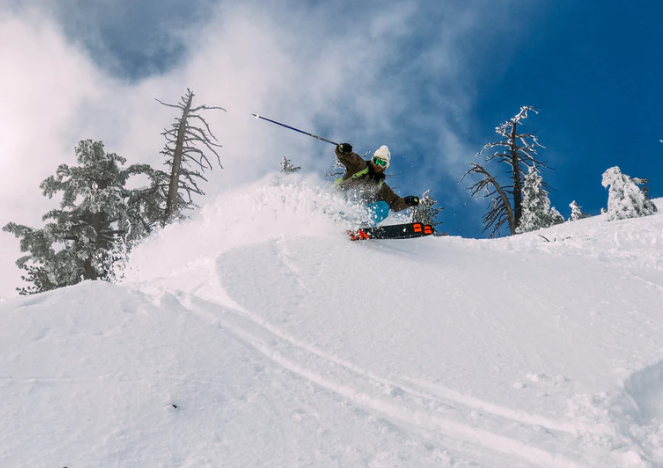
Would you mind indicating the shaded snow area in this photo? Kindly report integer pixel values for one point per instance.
(257, 335)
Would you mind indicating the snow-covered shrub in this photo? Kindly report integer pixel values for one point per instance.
(625, 199)
(287, 167)
(576, 212)
(427, 212)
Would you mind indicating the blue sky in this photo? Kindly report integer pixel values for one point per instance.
(594, 70)
(430, 79)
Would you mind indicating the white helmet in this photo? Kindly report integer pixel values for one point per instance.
(383, 153)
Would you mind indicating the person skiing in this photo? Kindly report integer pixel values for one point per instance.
(365, 180)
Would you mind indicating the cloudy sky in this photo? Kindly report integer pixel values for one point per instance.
(430, 79)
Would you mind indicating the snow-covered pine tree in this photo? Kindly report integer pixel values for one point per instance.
(287, 167)
(625, 199)
(150, 201)
(79, 239)
(645, 190)
(643, 183)
(427, 212)
(576, 212)
(181, 152)
(536, 210)
(555, 217)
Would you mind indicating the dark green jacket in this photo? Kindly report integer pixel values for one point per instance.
(366, 183)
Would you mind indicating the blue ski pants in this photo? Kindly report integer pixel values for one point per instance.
(377, 212)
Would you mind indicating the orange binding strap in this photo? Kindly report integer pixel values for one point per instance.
(417, 227)
(428, 230)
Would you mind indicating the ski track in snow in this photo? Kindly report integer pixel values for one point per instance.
(419, 418)
(425, 390)
(416, 415)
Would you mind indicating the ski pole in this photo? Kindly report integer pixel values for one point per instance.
(293, 128)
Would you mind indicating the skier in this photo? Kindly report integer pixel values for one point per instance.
(366, 180)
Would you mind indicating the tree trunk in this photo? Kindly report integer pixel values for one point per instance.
(98, 223)
(171, 204)
(517, 186)
(89, 272)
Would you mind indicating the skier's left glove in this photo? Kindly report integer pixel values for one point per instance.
(345, 148)
(411, 200)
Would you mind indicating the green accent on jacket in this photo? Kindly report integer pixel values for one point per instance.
(356, 175)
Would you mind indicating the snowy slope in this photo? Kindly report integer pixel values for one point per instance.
(282, 344)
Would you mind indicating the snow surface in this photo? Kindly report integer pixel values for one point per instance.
(256, 335)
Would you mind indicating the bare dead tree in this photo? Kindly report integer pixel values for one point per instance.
(500, 211)
(182, 154)
(519, 152)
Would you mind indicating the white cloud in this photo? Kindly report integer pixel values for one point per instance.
(45, 80)
(351, 75)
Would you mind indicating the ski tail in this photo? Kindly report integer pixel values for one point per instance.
(398, 231)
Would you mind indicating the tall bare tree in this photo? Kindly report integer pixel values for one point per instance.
(190, 129)
(518, 151)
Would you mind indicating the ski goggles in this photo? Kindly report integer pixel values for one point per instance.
(380, 162)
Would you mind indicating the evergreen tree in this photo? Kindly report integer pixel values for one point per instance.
(287, 167)
(181, 152)
(555, 217)
(517, 151)
(536, 210)
(576, 212)
(426, 212)
(645, 189)
(80, 240)
(150, 201)
(625, 199)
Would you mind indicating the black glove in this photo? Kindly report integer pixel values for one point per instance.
(411, 200)
(345, 148)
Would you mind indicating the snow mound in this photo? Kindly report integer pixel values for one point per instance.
(629, 242)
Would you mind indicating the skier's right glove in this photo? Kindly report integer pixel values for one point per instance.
(411, 200)
(345, 148)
